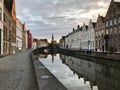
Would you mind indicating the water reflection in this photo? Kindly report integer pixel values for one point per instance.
(42, 55)
(79, 74)
(106, 75)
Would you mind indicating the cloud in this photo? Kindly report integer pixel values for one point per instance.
(45, 17)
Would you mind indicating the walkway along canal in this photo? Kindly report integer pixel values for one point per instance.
(93, 54)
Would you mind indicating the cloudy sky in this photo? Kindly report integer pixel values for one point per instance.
(58, 17)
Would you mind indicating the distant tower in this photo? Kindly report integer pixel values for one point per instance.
(52, 38)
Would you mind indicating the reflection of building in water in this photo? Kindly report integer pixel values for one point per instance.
(42, 55)
(105, 77)
(108, 77)
(84, 69)
(53, 55)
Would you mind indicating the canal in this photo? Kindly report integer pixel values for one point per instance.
(83, 74)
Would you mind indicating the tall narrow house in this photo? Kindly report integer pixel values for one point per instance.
(99, 34)
(112, 27)
(9, 27)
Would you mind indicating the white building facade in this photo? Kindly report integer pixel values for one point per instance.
(81, 39)
(1, 27)
(91, 35)
(84, 41)
(18, 35)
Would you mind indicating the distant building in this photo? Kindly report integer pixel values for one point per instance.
(99, 34)
(18, 35)
(34, 43)
(84, 41)
(82, 38)
(24, 37)
(112, 27)
(62, 42)
(73, 39)
(29, 39)
(43, 43)
(91, 35)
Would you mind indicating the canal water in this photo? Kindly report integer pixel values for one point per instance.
(80, 74)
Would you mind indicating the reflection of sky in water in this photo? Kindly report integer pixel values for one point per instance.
(65, 75)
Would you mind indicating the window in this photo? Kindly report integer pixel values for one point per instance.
(107, 31)
(111, 23)
(99, 33)
(115, 30)
(111, 31)
(119, 20)
(96, 33)
(106, 23)
(102, 31)
(119, 29)
(115, 21)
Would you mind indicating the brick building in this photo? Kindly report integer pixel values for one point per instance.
(99, 34)
(24, 36)
(112, 26)
(29, 36)
(9, 27)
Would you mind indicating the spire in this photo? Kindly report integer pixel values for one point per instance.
(52, 37)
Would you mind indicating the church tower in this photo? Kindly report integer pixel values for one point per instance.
(52, 41)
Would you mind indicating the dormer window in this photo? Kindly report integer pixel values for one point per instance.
(106, 23)
(111, 23)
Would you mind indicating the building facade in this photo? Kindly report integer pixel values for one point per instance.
(24, 36)
(9, 27)
(99, 34)
(29, 39)
(91, 35)
(43, 43)
(112, 27)
(34, 43)
(80, 39)
(84, 41)
(18, 35)
(6, 30)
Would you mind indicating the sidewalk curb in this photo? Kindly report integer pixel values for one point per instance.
(45, 79)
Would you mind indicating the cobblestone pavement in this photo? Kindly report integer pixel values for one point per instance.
(17, 73)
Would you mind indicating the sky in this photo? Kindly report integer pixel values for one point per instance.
(58, 17)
